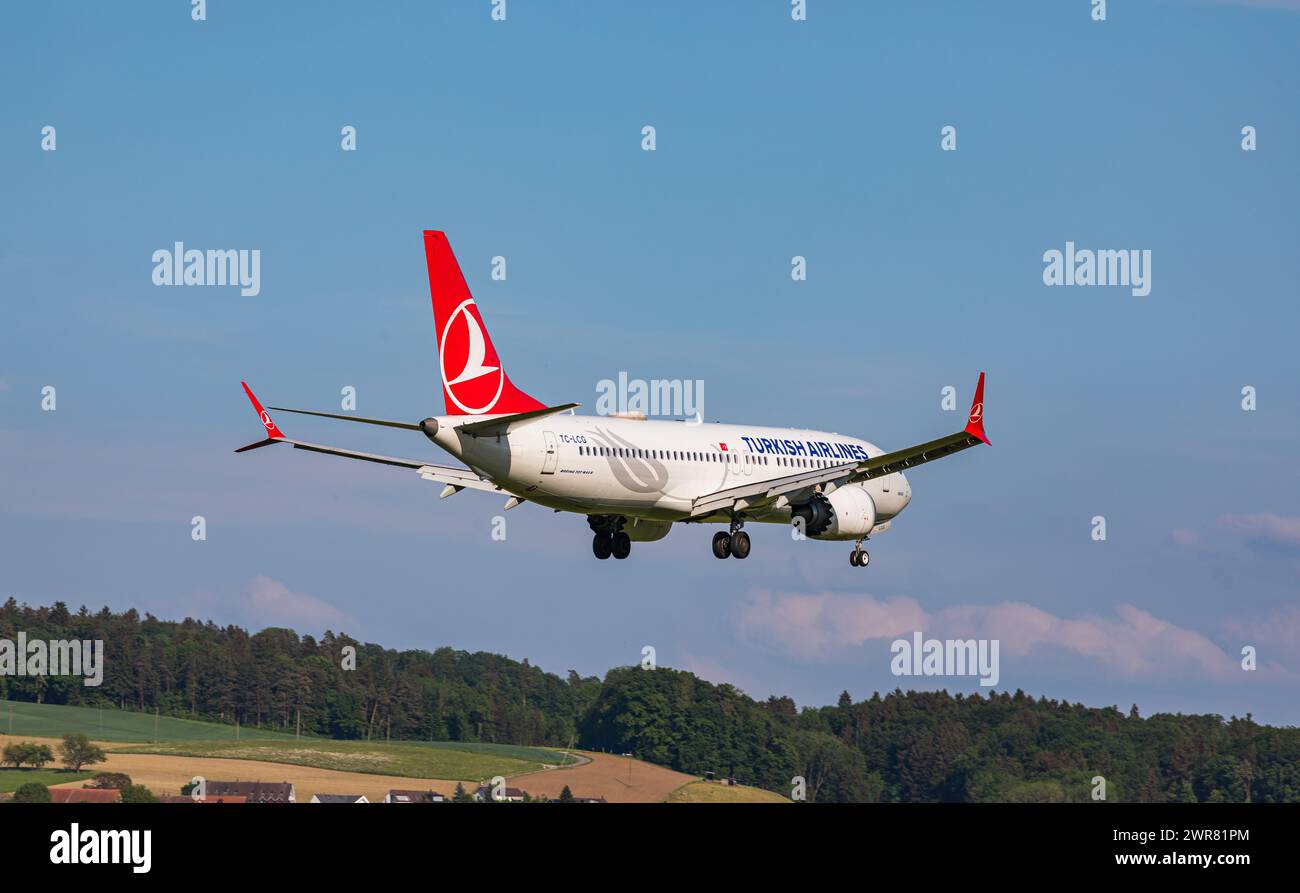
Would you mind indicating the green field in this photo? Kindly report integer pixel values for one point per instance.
(12, 779)
(127, 732)
(57, 720)
(447, 760)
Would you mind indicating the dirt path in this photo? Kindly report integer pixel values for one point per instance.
(617, 779)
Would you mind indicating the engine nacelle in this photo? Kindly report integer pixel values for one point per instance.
(639, 530)
(844, 514)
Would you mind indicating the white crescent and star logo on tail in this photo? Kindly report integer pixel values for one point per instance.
(266, 420)
(976, 413)
(470, 389)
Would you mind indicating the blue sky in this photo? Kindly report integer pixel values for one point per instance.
(774, 138)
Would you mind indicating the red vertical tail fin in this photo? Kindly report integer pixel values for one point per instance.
(473, 379)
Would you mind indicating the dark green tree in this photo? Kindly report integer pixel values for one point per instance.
(32, 792)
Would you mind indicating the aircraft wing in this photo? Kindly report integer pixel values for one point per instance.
(766, 492)
(459, 478)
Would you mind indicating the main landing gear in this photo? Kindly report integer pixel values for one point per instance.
(609, 537)
(734, 543)
(859, 556)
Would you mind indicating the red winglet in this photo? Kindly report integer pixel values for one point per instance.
(975, 422)
(271, 429)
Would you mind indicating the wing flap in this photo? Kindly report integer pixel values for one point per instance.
(751, 495)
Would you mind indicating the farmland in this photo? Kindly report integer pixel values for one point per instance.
(12, 779)
(187, 748)
(19, 718)
(463, 761)
(712, 792)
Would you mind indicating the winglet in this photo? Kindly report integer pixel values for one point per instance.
(975, 422)
(271, 428)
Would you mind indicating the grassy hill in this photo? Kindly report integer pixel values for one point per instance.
(128, 732)
(447, 759)
(56, 720)
(12, 779)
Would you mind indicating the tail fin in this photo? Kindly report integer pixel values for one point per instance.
(473, 380)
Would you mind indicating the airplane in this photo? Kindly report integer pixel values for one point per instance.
(632, 477)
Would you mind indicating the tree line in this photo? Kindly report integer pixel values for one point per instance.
(896, 747)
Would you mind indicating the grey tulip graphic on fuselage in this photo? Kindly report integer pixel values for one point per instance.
(640, 475)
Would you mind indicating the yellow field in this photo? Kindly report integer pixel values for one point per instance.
(617, 779)
(166, 774)
(712, 792)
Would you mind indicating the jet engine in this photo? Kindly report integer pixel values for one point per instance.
(640, 530)
(845, 514)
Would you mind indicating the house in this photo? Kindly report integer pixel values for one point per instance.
(396, 796)
(182, 798)
(338, 798)
(251, 791)
(507, 795)
(85, 795)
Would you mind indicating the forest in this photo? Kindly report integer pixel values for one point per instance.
(913, 746)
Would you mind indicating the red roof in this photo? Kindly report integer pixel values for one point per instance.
(224, 798)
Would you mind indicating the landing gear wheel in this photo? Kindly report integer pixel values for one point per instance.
(621, 546)
(853, 557)
(859, 558)
(740, 544)
(721, 544)
(602, 545)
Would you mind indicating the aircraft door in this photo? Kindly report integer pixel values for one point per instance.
(552, 456)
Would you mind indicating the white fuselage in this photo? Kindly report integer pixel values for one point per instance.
(653, 470)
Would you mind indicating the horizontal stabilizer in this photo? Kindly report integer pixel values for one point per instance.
(260, 443)
(387, 423)
(503, 424)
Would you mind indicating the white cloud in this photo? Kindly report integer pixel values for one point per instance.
(1133, 643)
(264, 602)
(1280, 631)
(1275, 530)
